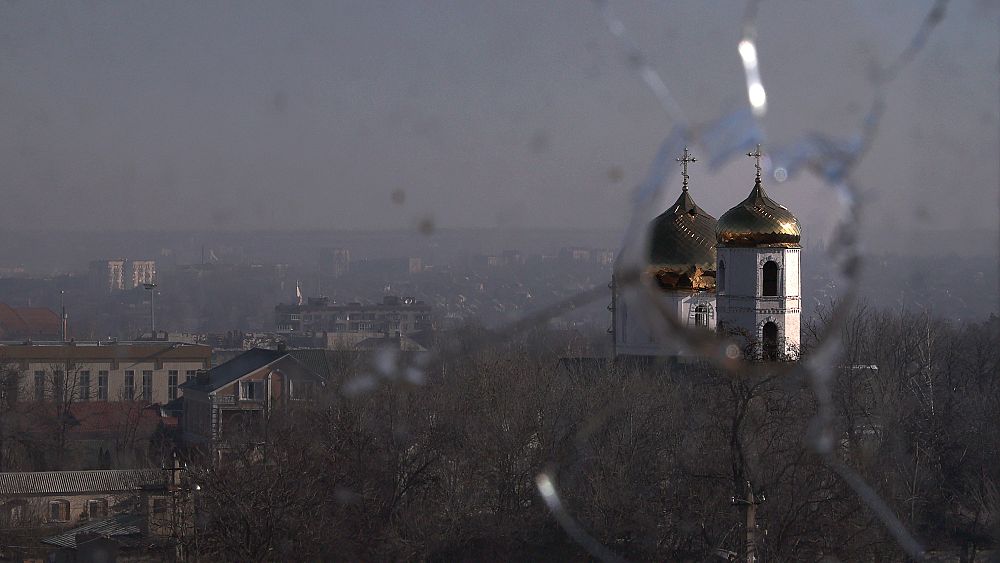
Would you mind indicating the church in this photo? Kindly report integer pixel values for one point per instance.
(739, 275)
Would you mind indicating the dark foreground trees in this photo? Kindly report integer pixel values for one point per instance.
(441, 463)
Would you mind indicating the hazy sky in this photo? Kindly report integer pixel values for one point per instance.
(279, 115)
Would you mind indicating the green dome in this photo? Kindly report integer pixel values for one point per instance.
(682, 238)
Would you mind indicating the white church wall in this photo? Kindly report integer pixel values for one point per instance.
(633, 315)
(742, 305)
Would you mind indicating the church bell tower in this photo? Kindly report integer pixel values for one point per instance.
(758, 281)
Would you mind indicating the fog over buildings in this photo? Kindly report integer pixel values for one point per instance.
(392, 280)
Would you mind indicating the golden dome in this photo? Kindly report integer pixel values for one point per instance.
(758, 221)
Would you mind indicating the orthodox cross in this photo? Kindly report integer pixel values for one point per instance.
(684, 167)
(756, 155)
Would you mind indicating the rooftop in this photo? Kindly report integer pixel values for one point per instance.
(64, 482)
(108, 350)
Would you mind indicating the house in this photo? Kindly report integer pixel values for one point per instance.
(234, 396)
(59, 499)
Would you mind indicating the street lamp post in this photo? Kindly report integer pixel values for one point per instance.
(151, 287)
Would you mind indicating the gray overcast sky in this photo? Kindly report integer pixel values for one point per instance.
(280, 115)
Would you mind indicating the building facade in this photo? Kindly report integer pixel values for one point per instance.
(101, 371)
(232, 398)
(65, 498)
(121, 275)
(318, 319)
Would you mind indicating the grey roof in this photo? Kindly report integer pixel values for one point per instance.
(101, 480)
(315, 361)
(235, 368)
(115, 526)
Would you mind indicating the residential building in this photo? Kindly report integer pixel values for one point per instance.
(318, 318)
(142, 272)
(64, 498)
(100, 515)
(234, 396)
(122, 274)
(334, 261)
(103, 371)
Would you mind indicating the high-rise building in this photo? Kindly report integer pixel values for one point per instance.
(335, 261)
(142, 272)
(122, 274)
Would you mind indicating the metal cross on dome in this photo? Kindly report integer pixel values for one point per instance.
(684, 167)
(756, 155)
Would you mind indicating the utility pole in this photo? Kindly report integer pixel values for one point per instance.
(749, 505)
(62, 305)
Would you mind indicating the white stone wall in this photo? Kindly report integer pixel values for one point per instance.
(741, 301)
(632, 317)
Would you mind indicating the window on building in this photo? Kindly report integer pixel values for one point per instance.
(172, 384)
(16, 510)
(129, 388)
(159, 506)
(147, 385)
(39, 385)
(770, 338)
(770, 279)
(58, 385)
(251, 390)
(722, 276)
(190, 375)
(97, 508)
(701, 315)
(84, 382)
(59, 511)
(102, 385)
(9, 389)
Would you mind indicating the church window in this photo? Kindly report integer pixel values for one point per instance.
(722, 276)
(770, 279)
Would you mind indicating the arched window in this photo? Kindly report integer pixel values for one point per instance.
(722, 276)
(770, 340)
(701, 315)
(770, 279)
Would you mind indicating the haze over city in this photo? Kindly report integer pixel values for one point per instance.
(443, 280)
(123, 116)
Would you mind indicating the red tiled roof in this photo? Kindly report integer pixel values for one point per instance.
(95, 419)
(11, 324)
(41, 322)
(29, 322)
